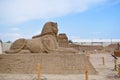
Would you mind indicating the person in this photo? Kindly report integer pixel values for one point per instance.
(118, 46)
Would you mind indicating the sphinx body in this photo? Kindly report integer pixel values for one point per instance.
(46, 42)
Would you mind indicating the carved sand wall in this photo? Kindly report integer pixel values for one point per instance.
(50, 63)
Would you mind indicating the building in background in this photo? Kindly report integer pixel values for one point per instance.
(101, 42)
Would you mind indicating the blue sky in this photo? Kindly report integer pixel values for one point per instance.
(79, 19)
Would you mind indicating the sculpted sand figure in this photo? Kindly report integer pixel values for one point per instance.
(63, 40)
(46, 42)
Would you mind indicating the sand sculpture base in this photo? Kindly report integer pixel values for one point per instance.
(50, 63)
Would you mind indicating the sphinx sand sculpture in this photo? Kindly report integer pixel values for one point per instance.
(46, 42)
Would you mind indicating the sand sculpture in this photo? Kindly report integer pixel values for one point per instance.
(46, 42)
(63, 40)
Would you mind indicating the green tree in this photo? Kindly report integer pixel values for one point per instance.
(8, 42)
(1, 41)
(70, 41)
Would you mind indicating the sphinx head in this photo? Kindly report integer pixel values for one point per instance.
(50, 28)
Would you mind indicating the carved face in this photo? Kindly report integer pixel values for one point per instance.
(50, 28)
(55, 29)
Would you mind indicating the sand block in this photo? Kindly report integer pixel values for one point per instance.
(49, 63)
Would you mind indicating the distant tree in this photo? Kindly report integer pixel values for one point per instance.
(1, 41)
(8, 42)
(70, 41)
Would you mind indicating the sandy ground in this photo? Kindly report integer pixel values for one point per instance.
(105, 72)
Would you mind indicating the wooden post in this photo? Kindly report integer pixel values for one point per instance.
(115, 62)
(103, 61)
(88, 55)
(38, 71)
(86, 72)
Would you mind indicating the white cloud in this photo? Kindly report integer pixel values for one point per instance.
(11, 36)
(15, 11)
